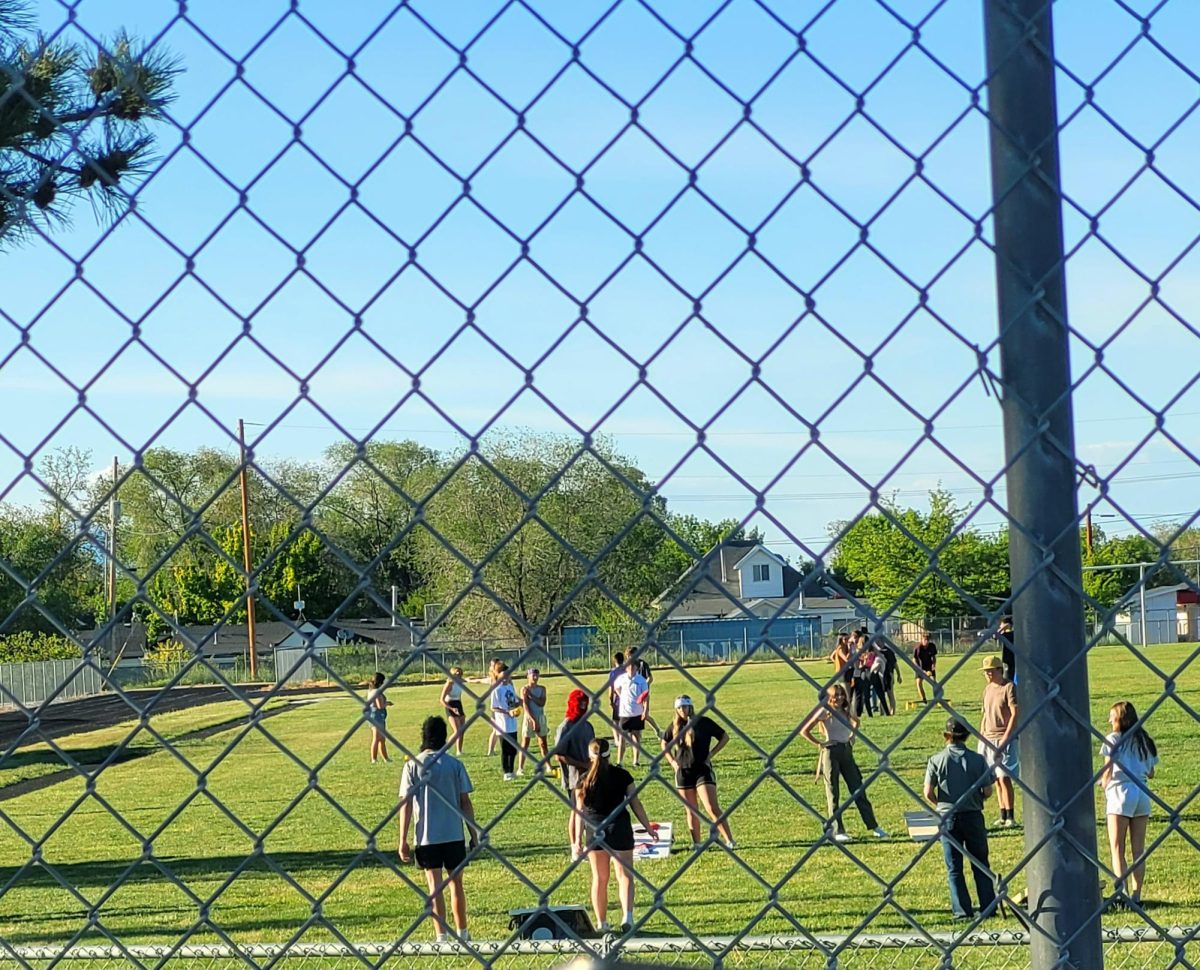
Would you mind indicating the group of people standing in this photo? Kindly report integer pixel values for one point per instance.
(869, 671)
(601, 795)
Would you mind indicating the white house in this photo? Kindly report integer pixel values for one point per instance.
(743, 576)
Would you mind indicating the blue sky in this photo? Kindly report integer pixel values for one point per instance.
(330, 172)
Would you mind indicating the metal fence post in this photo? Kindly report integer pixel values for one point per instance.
(1142, 603)
(1044, 554)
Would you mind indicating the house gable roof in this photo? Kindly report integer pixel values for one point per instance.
(711, 587)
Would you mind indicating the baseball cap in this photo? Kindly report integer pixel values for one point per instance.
(992, 663)
(955, 728)
(683, 701)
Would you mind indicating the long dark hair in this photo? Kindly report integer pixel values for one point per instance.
(598, 772)
(1142, 743)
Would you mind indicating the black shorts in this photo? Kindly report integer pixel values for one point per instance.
(632, 724)
(618, 836)
(454, 708)
(441, 855)
(694, 777)
(929, 671)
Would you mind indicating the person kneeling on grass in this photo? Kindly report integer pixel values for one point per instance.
(688, 746)
(605, 797)
(958, 782)
(435, 788)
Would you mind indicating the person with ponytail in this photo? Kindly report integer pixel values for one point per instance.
(1130, 756)
(605, 797)
(688, 746)
(571, 742)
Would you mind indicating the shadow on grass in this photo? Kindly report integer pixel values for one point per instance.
(92, 757)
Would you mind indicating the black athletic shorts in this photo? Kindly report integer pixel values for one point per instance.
(694, 777)
(454, 708)
(632, 724)
(618, 835)
(441, 855)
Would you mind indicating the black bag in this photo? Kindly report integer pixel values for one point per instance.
(552, 923)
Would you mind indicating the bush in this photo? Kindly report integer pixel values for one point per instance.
(26, 646)
(168, 655)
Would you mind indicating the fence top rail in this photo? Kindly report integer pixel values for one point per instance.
(824, 942)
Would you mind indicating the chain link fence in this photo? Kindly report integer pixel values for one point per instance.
(735, 233)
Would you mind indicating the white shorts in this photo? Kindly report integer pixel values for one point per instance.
(1123, 798)
(1004, 761)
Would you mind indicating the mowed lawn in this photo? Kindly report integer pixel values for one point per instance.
(152, 853)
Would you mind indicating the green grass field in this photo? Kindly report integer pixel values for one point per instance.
(149, 880)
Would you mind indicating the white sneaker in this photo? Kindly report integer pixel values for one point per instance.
(879, 833)
(520, 772)
(464, 935)
(731, 844)
(442, 938)
(509, 776)
(841, 837)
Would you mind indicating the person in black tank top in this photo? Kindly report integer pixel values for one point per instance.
(605, 798)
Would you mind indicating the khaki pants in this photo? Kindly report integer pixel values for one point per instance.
(837, 763)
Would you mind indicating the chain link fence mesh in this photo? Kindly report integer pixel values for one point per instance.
(610, 205)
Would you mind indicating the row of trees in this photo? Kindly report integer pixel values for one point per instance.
(934, 563)
(527, 532)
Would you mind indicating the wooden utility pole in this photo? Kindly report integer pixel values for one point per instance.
(250, 645)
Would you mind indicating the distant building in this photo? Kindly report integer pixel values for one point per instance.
(743, 576)
(1172, 615)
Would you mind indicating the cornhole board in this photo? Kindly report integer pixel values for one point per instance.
(645, 846)
(922, 826)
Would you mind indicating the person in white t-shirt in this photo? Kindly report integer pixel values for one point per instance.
(1130, 757)
(631, 689)
(506, 707)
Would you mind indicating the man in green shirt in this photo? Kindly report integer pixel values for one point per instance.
(958, 782)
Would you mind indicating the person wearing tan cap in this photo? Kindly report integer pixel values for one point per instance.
(997, 725)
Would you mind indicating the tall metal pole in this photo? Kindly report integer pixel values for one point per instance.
(1044, 555)
(250, 647)
(110, 567)
(1142, 602)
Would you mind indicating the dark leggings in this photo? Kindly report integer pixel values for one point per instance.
(508, 752)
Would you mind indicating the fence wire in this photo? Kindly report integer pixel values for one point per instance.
(164, 824)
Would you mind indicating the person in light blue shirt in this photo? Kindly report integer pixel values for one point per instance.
(435, 791)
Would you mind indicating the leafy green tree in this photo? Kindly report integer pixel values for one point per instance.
(75, 120)
(539, 527)
(49, 558)
(1107, 587)
(887, 555)
(371, 509)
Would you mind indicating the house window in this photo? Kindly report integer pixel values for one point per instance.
(762, 574)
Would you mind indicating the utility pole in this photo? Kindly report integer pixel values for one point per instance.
(110, 566)
(250, 645)
(1039, 440)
